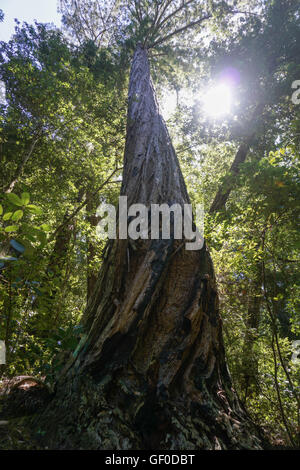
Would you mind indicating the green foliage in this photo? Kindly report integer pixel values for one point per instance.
(62, 133)
(255, 247)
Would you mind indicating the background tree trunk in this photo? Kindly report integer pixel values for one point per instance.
(224, 191)
(150, 370)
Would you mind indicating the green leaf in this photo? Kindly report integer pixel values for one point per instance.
(17, 216)
(46, 227)
(14, 199)
(1, 210)
(35, 209)
(7, 216)
(11, 228)
(25, 198)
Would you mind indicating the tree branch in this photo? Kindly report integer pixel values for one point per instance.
(159, 25)
(20, 168)
(138, 10)
(179, 30)
(168, 3)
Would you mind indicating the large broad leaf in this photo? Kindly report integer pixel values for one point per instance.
(7, 216)
(11, 228)
(35, 209)
(17, 215)
(14, 199)
(25, 198)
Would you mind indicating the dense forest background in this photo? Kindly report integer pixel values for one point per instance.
(62, 136)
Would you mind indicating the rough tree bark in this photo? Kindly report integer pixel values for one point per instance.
(150, 370)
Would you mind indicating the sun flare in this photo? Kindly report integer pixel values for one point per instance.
(217, 100)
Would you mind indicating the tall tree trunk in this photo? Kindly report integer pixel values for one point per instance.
(223, 194)
(150, 370)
